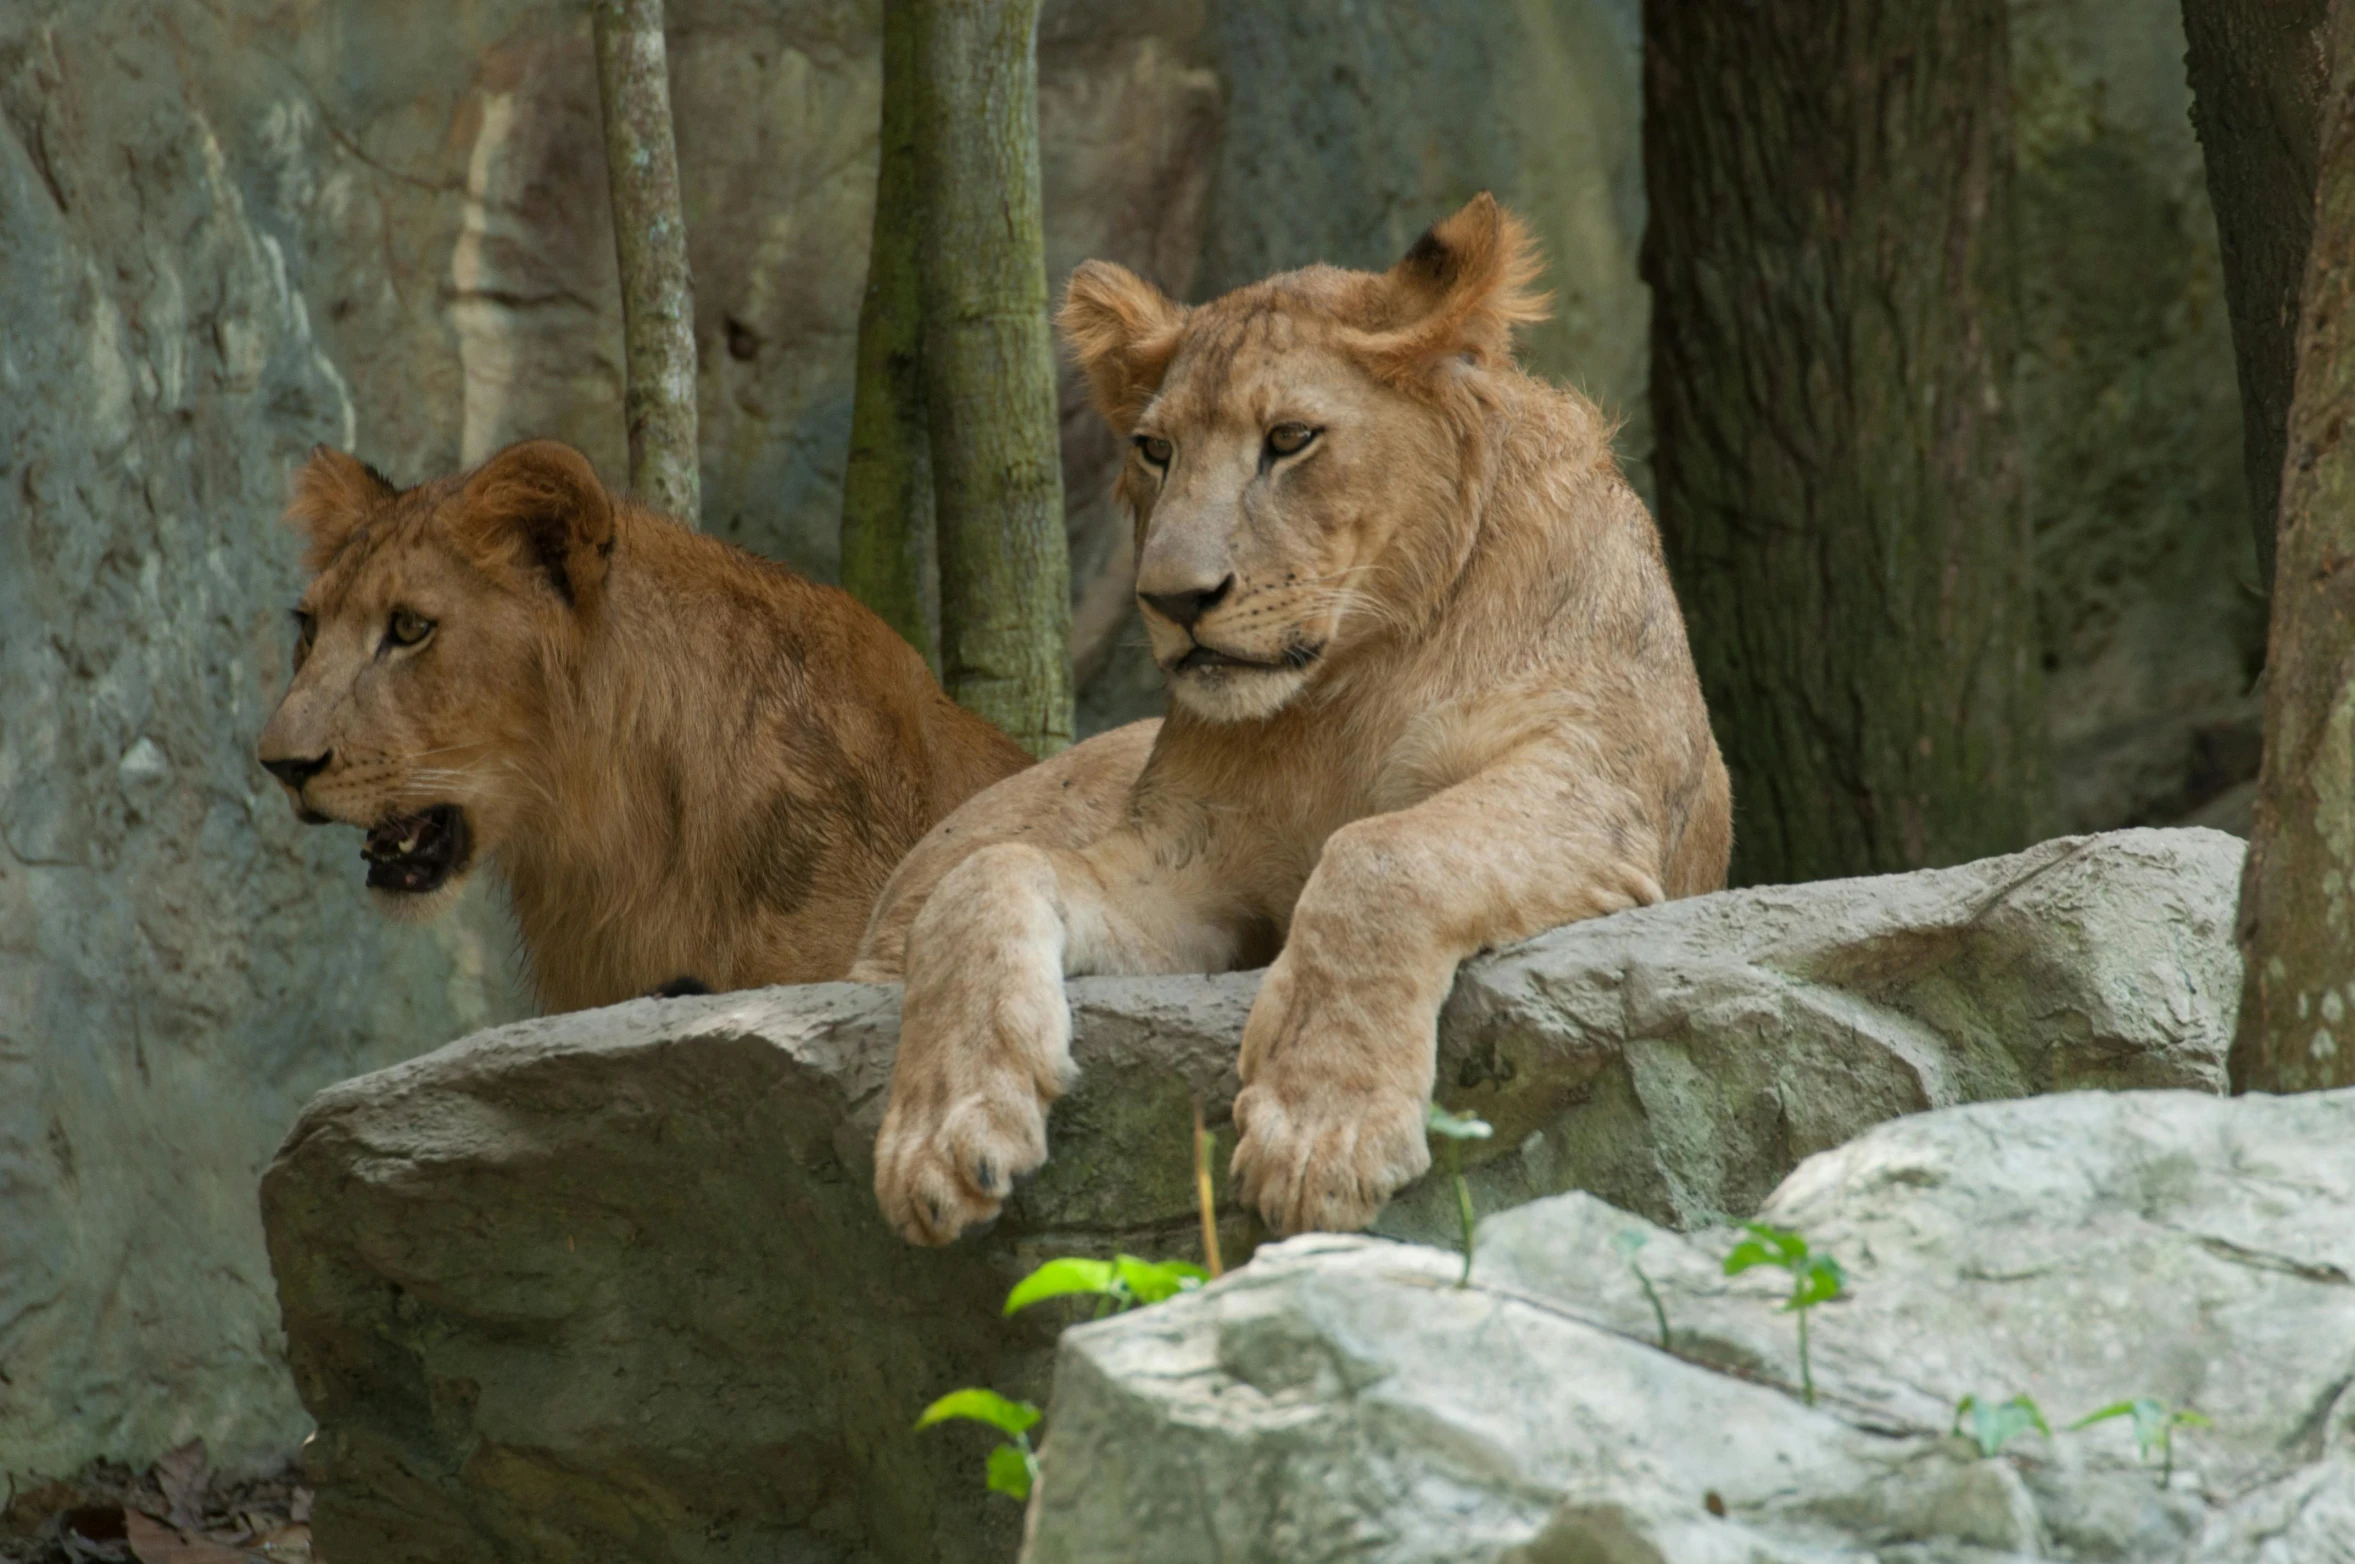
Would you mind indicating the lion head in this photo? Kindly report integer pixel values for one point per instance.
(426, 648)
(1303, 460)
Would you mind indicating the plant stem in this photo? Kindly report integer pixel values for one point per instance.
(1806, 1373)
(1659, 1313)
(1455, 1167)
(1205, 1196)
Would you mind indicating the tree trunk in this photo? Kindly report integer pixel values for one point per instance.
(888, 561)
(2298, 890)
(1833, 330)
(650, 240)
(989, 370)
(2258, 71)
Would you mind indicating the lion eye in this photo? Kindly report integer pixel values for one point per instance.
(408, 629)
(1289, 439)
(1155, 450)
(306, 630)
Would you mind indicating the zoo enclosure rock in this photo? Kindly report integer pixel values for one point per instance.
(2079, 1249)
(612, 1285)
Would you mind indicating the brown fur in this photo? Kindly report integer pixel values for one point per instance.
(685, 761)
(1454, 706)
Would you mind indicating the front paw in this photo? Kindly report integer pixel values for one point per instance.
(1325, 1155)
(947, 1161)
(985, 1046)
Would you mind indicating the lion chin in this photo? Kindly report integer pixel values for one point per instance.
(419, 906)
(1236, 694)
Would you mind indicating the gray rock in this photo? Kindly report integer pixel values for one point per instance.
(1679, 1060)
(2145, 560)
(181, 964)
(1342, 1399)
(585, 1281)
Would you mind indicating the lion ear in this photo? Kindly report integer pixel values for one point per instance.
(538, 508)
(1122, 332)
(1460, 291)
(333, 493)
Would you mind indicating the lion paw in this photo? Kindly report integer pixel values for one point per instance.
(939, 1172)
(1326, 1159)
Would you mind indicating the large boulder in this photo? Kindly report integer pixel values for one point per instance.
(1342, 1398)
(612, 1285)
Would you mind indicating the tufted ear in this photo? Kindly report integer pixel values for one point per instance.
(538, 508)
(333, 493)
(1459, 291)
(1122, 332)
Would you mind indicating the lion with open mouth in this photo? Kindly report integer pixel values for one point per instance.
(1430, 693)
(693, 768)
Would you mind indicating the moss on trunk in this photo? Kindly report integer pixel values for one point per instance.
(989, 370)
(888, 561)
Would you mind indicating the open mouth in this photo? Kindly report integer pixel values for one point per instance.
(1294, 657)
(413, 854)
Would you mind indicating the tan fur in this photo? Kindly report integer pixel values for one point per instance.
(1459, 709)
(685, 761)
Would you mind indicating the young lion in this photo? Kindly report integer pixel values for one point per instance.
(1430, 694)
(688, 762)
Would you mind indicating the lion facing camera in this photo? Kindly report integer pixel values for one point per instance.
(1430, 693)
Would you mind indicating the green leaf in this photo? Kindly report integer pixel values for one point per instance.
(1453, 1126)
(1766, 1246)
(981, 1406)
(1995, 1425)
(1010, 1472)
(2185, 1417)
(1150, 1281)
(2114, 1409)
(1630, 1239)
(1061, 1279)
(1818, 1279)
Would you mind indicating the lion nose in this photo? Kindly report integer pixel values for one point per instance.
(294, 771)
(1183, 608)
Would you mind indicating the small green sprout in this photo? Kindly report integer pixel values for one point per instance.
(2155, 1423)
(1013, 1466)
(1996, 1424)
(1455, 1129)
(1815, 1278)
(1122, 1282)
(1628, 1241)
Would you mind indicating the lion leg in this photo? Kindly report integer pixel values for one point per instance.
(985, 1033)
(1338, 1053)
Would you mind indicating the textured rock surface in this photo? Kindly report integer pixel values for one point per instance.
(576, 1284)
(2146, 576)
(1343, 1400)
(181, 964)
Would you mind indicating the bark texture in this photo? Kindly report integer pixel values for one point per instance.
(650, 241)
(2297, 1018)
(989, 370)
(888, 561)
(1834, 325)
(2258, 73)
